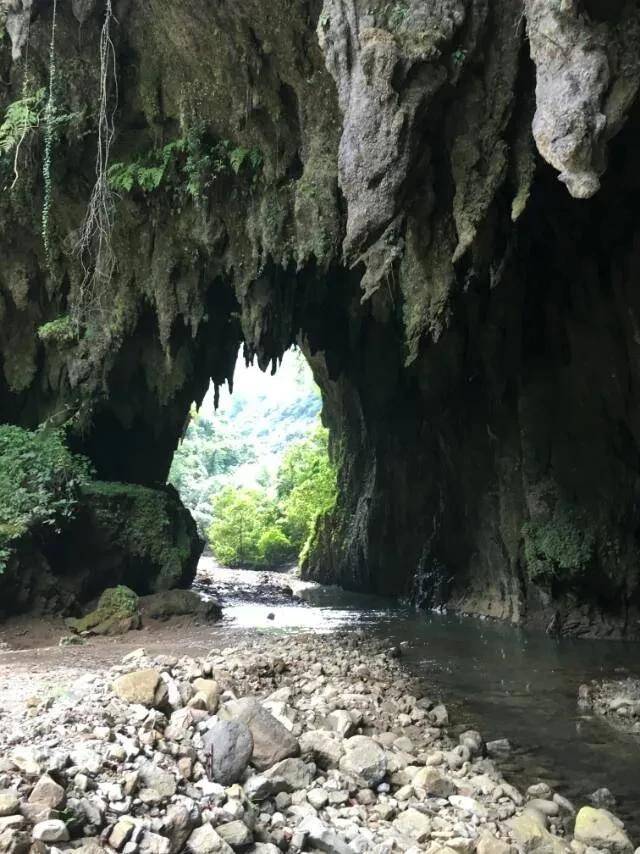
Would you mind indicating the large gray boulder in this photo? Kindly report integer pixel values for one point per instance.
(364, 760)
(272, 742)
(228, 746)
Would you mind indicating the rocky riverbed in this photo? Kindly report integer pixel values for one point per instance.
(277, 743)
(615, 700)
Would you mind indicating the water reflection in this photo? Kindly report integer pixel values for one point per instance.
(503, 680)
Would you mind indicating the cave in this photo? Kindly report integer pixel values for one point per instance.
(383, 192)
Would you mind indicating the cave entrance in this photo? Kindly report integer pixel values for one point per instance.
(254, 471)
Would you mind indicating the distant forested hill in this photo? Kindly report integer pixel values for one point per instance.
(242, 444)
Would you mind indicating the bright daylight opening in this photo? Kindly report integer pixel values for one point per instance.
(255, 473)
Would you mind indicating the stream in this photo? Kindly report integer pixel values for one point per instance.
(504, 681)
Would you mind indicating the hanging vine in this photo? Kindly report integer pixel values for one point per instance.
(94, 246)
(26, 118)
(49, 116)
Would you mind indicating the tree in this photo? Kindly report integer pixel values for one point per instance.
(207, 456)
(306, 486)
(250, 528)
(240, 518)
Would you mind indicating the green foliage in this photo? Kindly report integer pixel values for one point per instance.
(21, 118)
(189, 165)
(208, 455)
(459, 56)
(250, 528)
(147, 172)
(306, 486)
(395, 15)
(558, 547)
(62, 330)
(275, 547)
(40, 481)
(240, 519)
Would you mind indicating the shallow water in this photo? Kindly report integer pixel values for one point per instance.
(504, 681)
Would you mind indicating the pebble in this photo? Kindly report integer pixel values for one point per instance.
(284, 744)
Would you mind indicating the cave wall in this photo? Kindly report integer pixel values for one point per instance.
(444, 218)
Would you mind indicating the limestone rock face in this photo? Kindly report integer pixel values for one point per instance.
(146, 540)
(377, 182)
(586, 80)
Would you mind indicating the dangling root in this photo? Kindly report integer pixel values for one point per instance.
(94, 247)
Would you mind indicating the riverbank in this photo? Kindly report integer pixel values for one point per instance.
(266, 743)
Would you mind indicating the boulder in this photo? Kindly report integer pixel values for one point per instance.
(364, 760)
(272, 742)
(323, 838)
(120, 833)
(9, 804)
(48, 793)
(117, 612)
(179, 823)
(340, 721)
(490, 844)
(179, 603)
(141, 687)
(228, 746)
(413, 823)
(157, 780)
(235, 833)
(598, 828)
(530, 834)
(53, 830)
(210, 692)
(15, 842)
(205, 840)
(24, 759)
(291, 775)
(434, 783)
(325, 748)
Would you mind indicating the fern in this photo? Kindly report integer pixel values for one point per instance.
(188, 164)
(147, 173)
(21, 118)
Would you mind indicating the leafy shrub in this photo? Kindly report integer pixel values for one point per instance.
(240, 517)
(275, 547)
(39, 482)
(59, 331)
(560, 546)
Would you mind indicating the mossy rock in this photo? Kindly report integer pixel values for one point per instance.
(179, 603)
(117, 613)
(152, 538)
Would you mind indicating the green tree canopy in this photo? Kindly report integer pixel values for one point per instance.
(251, 528)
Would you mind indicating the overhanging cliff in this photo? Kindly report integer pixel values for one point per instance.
(378, 182)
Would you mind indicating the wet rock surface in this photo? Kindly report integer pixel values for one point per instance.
(181, 762)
